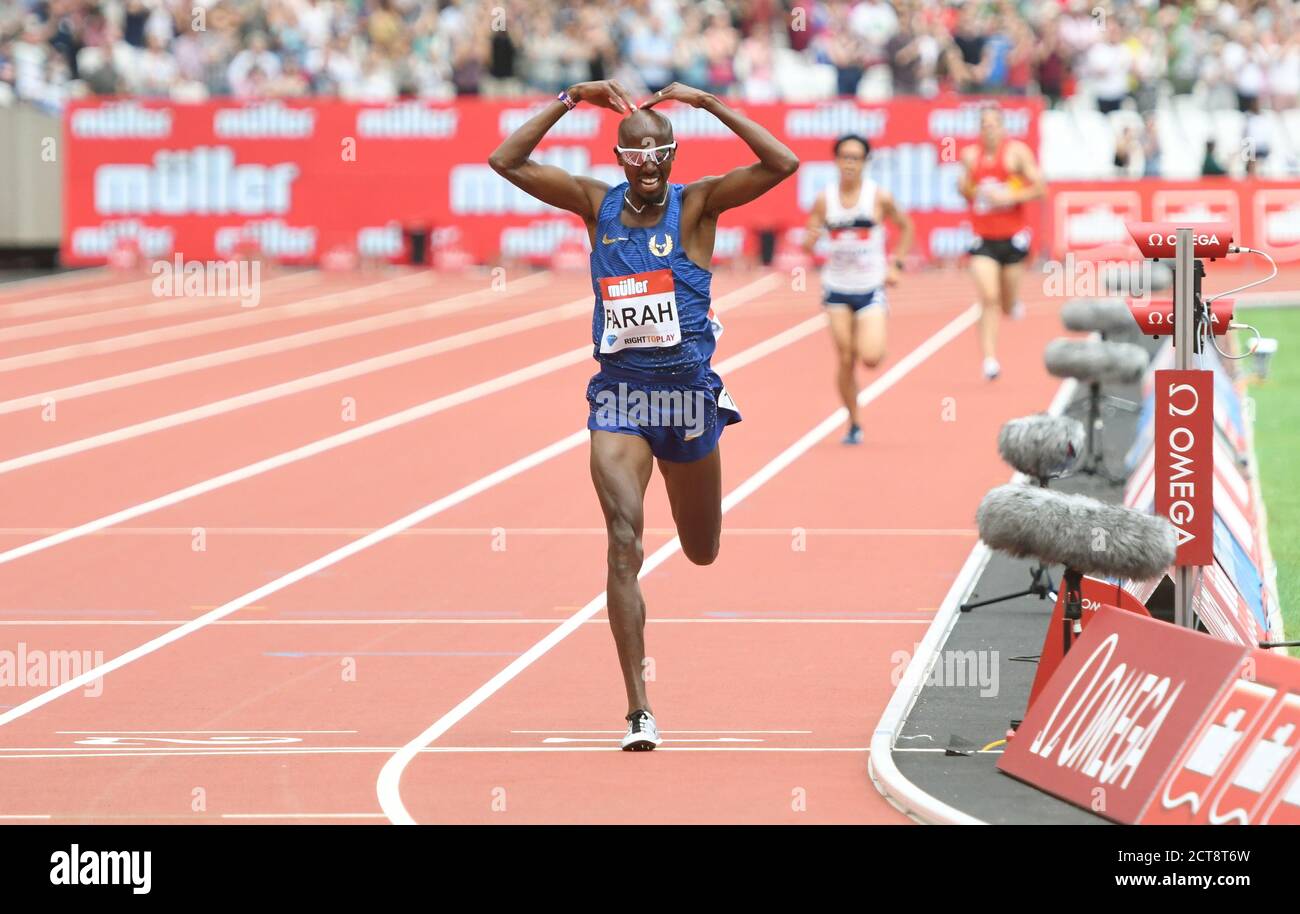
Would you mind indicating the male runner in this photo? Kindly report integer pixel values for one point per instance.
(653, 332)
(854, 277)
(1000, 176)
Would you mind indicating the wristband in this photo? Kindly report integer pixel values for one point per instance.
(564, 96)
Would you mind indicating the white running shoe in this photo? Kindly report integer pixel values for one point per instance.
(1017, 310)
(991, 369)
(642, 734)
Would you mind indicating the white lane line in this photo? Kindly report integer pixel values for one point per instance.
(173, 732)
(308, 382)
(14, 817)
(62, 301)
(160, 307)
(54, 279)
(536, 458)
(491, 531)
(250, 318)
(728, 621)
(63, 754)
(403, 417)
(602, 739)
(302, 815)
(665, 731)
(388, 786)
(277, 345)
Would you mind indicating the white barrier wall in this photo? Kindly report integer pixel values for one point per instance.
(31, 178)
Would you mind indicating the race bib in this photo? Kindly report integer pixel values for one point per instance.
(714, 324)
(984, 191)
(640, 311)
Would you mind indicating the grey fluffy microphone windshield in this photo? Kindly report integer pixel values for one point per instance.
(1041, 446)
(1105, 315)
(1094, 360)
(1076, 531)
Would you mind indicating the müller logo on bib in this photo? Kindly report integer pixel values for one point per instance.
(640, 311)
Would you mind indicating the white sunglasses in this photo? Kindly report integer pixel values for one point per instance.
(638, 157)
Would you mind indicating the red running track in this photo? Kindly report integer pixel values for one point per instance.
(292, 684)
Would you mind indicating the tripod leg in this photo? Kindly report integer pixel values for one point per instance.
(967, 607)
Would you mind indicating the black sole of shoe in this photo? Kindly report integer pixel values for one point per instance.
(638, 747)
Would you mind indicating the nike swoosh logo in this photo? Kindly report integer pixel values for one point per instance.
(608, 240)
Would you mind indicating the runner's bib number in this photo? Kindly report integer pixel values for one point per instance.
(640, 311)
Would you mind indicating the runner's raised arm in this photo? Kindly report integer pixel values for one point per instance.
(749, 182)
(548, 183)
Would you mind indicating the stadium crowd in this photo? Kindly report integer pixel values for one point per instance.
(1228, 53)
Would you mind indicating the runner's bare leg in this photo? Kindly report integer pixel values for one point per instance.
(988, 285)
(840, 320)
(695, 494)
(620, 468)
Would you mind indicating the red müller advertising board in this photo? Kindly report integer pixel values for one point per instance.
(297, 179)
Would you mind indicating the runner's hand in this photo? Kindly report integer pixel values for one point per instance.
(679, 93)
(606, 93)
(893, 275)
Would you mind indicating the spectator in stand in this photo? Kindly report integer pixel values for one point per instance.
(545, 49)
(913, 54)
(333, 70)
(840, 47)
(997, 52)
(291, 82)
(806, 21)
(754, 66)
(1078, 29)
(1228, 53)
(1245, 59)
(469, 62)
(1210, 167)
(1021, 55)
(967, 61)
(431, 64)
(384, 28)
(504, 54)
(650, 51)
(1284, 71)
(1125, 146)
(256, 56)
(721, 41)
(874, 22)
(1108, 67)
(1151, 160)
(156, 70)
(691, 58)
(1050, 63)
(1257, 142)
(1150, 62)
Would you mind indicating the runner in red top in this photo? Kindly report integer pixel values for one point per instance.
(1000, 176)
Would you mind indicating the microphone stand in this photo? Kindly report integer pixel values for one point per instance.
(1095, 465)
(1071, 623)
